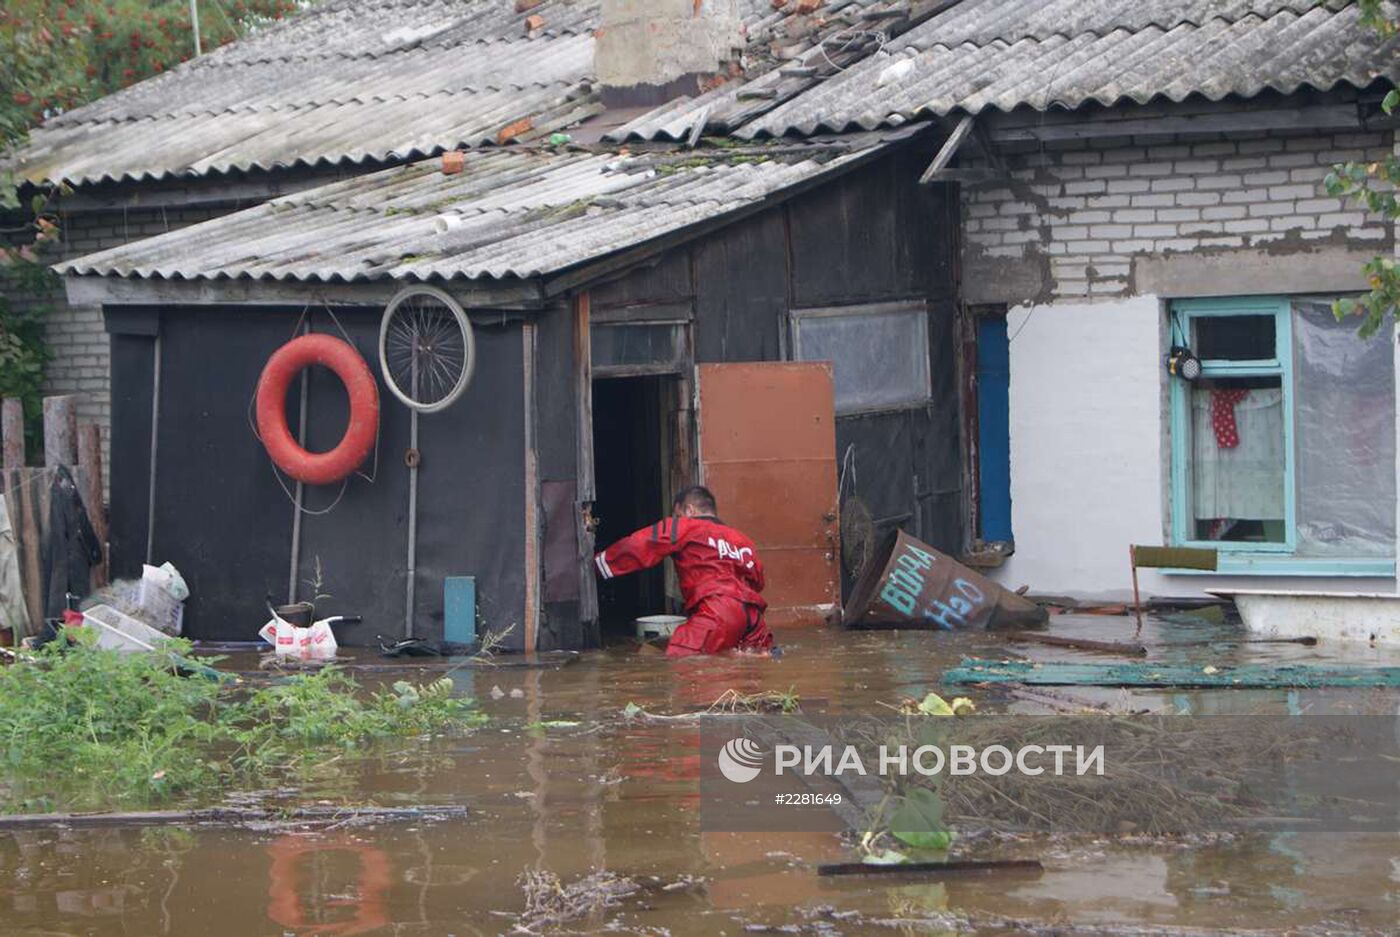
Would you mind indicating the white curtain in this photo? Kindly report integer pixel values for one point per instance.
(1244, 482)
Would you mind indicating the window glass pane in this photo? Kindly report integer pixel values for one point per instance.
(1344, 419)
(1241, 338)
(653, 344)
(1237, 460)
(879, 359)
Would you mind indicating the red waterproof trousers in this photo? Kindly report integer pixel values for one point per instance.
(720, 623)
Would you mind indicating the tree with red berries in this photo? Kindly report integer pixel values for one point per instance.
(56, 55)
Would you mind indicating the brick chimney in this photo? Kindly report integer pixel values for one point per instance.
(650, 51)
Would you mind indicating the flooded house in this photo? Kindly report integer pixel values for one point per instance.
(644, 314)
(925, 266)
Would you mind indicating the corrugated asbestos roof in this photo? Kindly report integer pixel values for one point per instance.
(511, 213)
(1002, 54)
(344, 81)
(984, 54)
(353, 81)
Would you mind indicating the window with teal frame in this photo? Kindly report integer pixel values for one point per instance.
(1283, 450)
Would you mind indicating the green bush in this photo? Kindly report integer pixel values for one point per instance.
(89, 728)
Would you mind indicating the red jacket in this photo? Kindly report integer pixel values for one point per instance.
(711, 559)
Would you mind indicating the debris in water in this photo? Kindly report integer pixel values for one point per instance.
(549, 903)
(1079, 644)
(932, 869)
(909, 583)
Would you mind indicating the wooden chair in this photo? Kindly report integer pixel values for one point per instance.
(1167, 558)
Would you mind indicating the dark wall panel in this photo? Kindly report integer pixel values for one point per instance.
(665, 279)
(471, 508)
(361, 541)
(928, 222)
(555, 407)
(220, 516)
(131, 364)
(741, 290)
(471, 491)
(872, 235)
(846, 240)
(223, 519)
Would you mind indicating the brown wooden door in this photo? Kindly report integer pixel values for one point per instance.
(768, 452)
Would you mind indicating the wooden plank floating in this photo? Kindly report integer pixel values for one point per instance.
(1081, 644)
(232, 815)
(934, 869)
(1146, 674)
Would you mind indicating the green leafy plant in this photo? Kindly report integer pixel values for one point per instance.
(86, 727)
(1372, 184)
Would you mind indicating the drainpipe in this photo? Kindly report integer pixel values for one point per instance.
(300, 490)
(194, 25)
(412, 521)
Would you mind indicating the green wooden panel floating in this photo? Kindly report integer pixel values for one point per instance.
(1138, 673)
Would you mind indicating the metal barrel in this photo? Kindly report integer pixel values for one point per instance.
(908, 583)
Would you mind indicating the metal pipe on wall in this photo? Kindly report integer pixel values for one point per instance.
(301, 488)
(412, 523)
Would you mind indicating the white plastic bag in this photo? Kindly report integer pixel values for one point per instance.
(321, 644)
(161, 596)
(315, 643)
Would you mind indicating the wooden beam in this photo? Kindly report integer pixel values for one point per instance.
(970, 176)
(61, 430)
(989, 151)
(583, 401)
(87, 290)
(12, 428)
(90, 484)
(949, 148)
(1046, 127)
(532, 486)
(184, 193)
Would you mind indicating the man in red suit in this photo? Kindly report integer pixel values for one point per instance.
(720, 575)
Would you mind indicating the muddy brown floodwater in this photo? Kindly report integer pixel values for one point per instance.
(620, 795)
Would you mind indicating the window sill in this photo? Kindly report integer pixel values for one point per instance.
(1260, 564)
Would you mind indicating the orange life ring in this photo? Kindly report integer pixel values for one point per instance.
(317, 468)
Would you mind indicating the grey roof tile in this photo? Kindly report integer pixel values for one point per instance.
(513, 213)
(992, 54)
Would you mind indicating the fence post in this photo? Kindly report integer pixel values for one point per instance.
(61, 431)
(90, 484)
(18, 485)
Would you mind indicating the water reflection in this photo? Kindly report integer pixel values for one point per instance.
(327, 886)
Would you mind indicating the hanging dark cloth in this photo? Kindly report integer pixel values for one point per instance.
(71, 547)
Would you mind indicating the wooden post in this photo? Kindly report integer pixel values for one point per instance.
(1137, 596)
(22, 497)
(61, 430)
(583, 401)
(90, 484)
(12, 426)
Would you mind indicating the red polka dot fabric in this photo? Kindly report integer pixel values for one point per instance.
(1222, 416)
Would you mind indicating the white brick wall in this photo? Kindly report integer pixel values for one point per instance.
(1089, 208)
